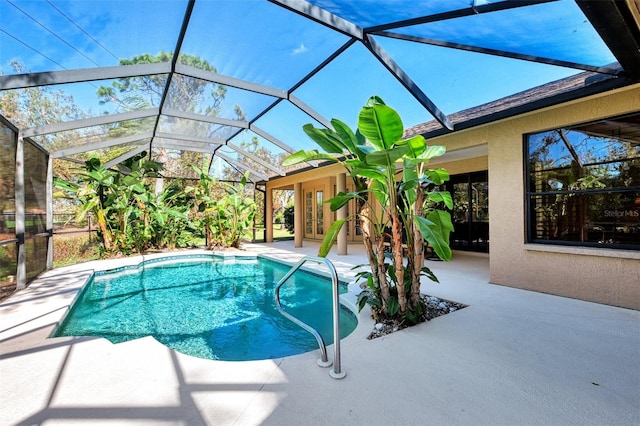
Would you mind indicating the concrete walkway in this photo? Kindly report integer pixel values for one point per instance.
(511, 357)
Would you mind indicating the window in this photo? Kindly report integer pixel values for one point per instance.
(319, 213)
(583, 184)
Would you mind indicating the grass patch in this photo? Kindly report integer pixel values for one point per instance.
(277, 232)
(70, 249)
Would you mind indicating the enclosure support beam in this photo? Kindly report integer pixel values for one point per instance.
(49, 189)
(268, 215)
(402, 77)
(310, 111)
(90, 122)
(137, 138)
(298, 215)
(125, 156)
(22, 81)
(341, 186)
(21, 270)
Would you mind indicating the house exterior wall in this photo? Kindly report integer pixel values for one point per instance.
(469, 165)
(316, 179)
(599, 275)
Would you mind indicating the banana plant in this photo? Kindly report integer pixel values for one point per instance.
(94, 183)
(373, 156)
(226, 219)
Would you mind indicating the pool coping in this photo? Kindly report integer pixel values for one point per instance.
(511, 357)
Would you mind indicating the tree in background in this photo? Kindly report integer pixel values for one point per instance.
(282, 198)
(185, 94)
(253, 147)
(39, 106)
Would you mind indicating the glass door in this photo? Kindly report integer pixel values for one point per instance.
(470, 215)
(314, 214)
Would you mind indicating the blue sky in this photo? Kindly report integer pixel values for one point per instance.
(256, 41)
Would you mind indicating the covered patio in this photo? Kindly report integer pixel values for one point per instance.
(510, 357)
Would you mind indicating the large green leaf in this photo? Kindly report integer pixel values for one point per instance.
(92, 164)
(441, 220)
(328, 140)
(351, 142)
(409, 183)
(437, 176)
(380, 191)
(302, 156)
(380, 124)
(369, 173)
(102, 177)
(441, 197)
(393, 306)
(65, 185)
(142, 197)
(435, 229)
(341, 199)
(432, 151)
(387, 157)
(330, 237)
(416, 146)
(243, 180)
(160, 218)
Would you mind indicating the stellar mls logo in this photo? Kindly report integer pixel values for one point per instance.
(622, 213)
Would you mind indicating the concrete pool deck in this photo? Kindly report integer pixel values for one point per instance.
(512, 357)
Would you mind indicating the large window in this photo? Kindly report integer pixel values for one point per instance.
(583, 184)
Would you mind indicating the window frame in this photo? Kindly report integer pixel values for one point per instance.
(529, 195)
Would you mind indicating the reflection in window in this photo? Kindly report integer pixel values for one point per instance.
(319, 213)
(308, 213)
(7, 183)
(35, 192)
(584, 184)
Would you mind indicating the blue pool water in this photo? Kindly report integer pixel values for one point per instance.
(207, 307)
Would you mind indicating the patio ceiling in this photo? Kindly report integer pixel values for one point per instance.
(288, 62)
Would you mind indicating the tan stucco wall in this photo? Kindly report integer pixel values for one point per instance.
(604, 276)
(465, 166)
(286, 182)
(317, 179)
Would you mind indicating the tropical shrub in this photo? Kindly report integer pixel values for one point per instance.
(225, 219)
(132, 218)
(288, 216)
(122, 202)
(404, 213)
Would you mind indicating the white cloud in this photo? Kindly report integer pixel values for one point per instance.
(300, 49)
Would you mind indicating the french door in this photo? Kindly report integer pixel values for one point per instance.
(470, 215)
(314, 213)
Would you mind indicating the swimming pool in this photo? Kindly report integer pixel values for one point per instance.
(210, 307)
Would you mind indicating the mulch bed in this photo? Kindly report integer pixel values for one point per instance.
(435, 307)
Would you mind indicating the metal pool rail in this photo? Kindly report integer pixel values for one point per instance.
(336, 373)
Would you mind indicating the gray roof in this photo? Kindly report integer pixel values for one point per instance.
(552, 93)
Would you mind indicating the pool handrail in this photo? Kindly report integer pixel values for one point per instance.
(336, 373)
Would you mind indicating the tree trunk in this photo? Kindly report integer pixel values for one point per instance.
(106, 236)
(418, 251)
(382, 274)
(375, 254)
(398, 259)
